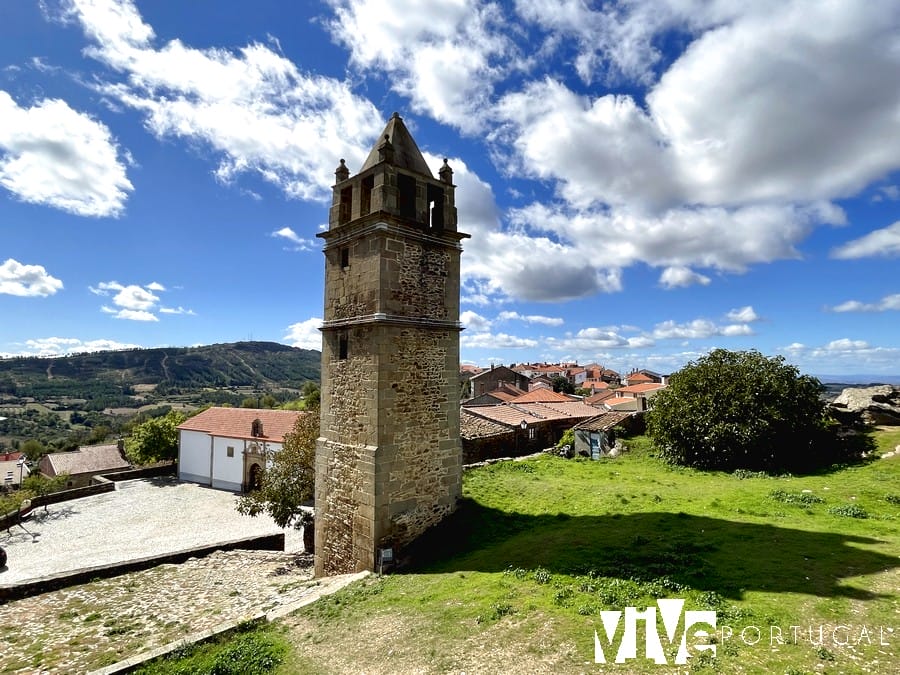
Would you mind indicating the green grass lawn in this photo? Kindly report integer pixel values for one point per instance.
(516, 579)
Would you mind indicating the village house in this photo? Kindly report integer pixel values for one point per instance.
(83, 464)
(491, 379)
(13, 469)
(226, 448)
(528, 423)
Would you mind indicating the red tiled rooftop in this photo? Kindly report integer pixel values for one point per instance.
(238, 422)
(641, 387)
(541, 396)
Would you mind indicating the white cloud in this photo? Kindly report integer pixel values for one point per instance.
(844, 355)
(743, 315)
(299, 243)
(253, 106)
(136, 315)
(530, 318)
(177, 310)
(135, 298)
(731, 159)
(487, 340)
(880, 243)
(889, 192)
(681, 277)
(305, 334)
(134, 302)
(887, 303)
(444, 56)
(698, 329)
(58, 346)
(474, 321)
(27, 280)
(53, 155)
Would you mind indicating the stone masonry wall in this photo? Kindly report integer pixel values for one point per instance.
(418, 280)
(419, 468)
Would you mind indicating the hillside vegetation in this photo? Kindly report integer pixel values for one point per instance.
(219, 365)
(61, 402)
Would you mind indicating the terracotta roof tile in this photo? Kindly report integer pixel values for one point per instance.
(541, 396)
(641, 387)
(238, 422)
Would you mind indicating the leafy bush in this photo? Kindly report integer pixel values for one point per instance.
(742, 410)
(849, 511)
(804, 498)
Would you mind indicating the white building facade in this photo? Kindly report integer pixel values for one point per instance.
(226, 448)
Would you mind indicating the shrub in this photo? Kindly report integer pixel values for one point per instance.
(849, 511)
(804, 498)
(742, 410)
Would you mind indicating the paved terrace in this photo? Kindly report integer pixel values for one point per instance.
(87, 626)
(142, 518)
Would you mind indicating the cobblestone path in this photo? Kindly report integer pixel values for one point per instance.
(76, 629)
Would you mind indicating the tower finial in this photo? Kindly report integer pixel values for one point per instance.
(446, 173)
(342, 173)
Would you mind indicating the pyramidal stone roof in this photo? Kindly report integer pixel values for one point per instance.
(406, 153)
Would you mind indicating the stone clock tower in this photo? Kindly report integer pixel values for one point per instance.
(389, 460)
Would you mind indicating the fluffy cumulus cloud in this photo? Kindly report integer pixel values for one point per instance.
(27, 280)
(887, 303)
(723, 156)
(305, 334)
(488, 340)
(134, 302)
(252, 106)
(445, 56)
(531, 318)
(296, 242)
(844, 354)
(680, 277)
(59, 346)
(53, 155)
(880, 243)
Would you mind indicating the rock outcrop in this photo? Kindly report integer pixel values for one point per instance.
(872, 406)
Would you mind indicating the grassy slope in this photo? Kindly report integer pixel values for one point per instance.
(548, 543)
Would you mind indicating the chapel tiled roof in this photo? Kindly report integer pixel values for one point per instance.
(238, 422)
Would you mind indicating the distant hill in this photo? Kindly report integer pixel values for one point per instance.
(238, 364)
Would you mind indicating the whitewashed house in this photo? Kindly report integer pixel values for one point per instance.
(226, 448)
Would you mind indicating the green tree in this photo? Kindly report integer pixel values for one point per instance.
(741, 410)
(289, 477)
(563, 384)
(154, 440)
(311, 394)
(33, 449)
(38, 484)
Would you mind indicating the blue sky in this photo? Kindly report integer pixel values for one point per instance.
(643, 181)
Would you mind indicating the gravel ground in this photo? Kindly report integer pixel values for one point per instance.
(142, 518)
